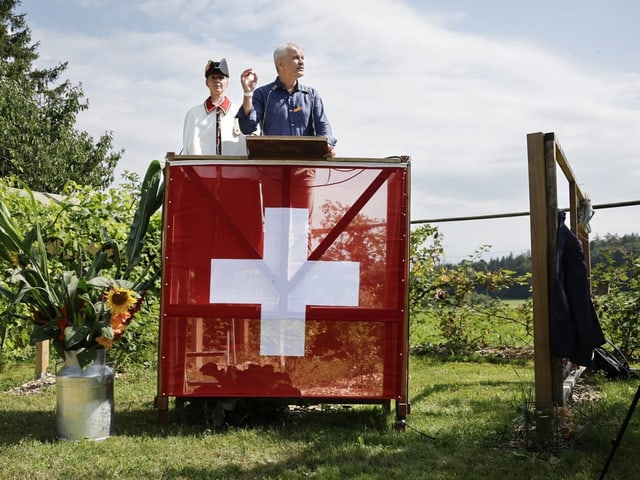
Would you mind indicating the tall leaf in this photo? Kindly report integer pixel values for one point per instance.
(150, 201)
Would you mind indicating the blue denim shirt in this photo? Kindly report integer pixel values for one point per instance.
(279, 112)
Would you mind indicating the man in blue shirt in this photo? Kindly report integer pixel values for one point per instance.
(285, 107)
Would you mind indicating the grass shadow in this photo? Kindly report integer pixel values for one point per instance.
(20, 426)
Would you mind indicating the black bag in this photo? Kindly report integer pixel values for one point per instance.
(612, 362)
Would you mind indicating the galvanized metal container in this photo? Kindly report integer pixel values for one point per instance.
(85, 406)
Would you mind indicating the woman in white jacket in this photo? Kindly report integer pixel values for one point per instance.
(210, 128)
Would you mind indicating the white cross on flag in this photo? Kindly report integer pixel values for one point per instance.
(284, 282)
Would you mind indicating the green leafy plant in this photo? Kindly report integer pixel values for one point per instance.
(450, 293)
(616, 284)
(82, 308)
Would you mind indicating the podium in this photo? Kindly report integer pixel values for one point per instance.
(285, 278)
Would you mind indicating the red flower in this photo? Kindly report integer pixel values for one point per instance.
(137, 306)
(38, 318)
(63, 323)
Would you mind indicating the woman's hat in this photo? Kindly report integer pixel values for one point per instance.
(216, 67)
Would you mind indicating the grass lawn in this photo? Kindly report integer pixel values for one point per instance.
(462, 423)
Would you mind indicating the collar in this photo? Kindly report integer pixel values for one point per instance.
(298, 88)
(209, 106)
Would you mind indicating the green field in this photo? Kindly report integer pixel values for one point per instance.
(465, 423)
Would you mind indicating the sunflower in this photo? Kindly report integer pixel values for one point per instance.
(120, 300)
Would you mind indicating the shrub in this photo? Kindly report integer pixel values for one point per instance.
(616, 283)
(74, 226)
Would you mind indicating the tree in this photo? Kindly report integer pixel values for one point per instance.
(38, 139)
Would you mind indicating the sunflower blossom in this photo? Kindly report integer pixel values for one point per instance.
(120, 300)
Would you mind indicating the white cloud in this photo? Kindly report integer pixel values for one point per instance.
(395, 81)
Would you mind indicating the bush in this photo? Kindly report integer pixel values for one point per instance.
(616, 283)
(74, 225)
(449, 293)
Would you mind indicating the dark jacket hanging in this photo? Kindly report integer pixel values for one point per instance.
(574, 327)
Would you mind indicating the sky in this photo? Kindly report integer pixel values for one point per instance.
(454, 84)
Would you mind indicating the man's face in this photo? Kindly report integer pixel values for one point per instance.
(217, 84)
(292, 66)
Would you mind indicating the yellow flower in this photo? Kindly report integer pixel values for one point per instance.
(120, 300)
(104, 341)
(15, 259)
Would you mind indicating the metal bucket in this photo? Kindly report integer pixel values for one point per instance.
(84, 407)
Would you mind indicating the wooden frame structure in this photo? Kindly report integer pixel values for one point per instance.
(544, 156)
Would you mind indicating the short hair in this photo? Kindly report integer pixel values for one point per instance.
(281, 51)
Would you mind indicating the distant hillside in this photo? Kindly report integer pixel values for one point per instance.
(614, 246)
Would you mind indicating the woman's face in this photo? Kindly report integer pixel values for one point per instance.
(217, 84)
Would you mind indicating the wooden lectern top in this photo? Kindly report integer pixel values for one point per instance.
(284, 147)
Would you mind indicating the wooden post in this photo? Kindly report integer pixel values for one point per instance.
(543, 201)
(42, 359)
(161, 403)
(551, 161)
(539, 269)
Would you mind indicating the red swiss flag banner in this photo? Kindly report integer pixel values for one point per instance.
(285, 279)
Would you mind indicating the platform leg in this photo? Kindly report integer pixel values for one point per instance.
(162, 405)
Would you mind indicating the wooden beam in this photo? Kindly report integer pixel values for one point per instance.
(42, 359)
(539, 269)
(543, 199)
(562, 161)
(552, 153)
